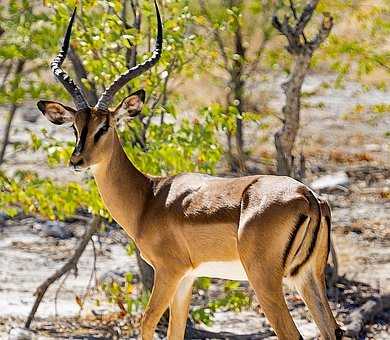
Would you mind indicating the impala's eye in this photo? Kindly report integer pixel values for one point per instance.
(100, 132)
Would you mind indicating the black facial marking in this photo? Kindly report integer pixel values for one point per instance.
(83, 136)
(101, 131)
(74, 131)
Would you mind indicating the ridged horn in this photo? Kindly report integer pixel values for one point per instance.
(62, 76)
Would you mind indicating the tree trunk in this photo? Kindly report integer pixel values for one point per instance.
(285, 137)
(11, 115)
(302, 50)
(238, 85)
(12, 112)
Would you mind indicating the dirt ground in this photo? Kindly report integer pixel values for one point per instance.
(341, 131)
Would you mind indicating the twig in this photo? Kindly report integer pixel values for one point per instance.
(93, 275)
(58, 292)
(72, 263)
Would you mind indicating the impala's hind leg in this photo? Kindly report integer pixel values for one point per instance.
(310, 283)
(311, 287)
(269, 292)
(260, 260)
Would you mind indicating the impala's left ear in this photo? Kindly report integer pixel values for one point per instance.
(131, 105)
(56, 112)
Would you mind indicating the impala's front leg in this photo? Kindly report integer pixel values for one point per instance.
(178, 309)
(164, 288)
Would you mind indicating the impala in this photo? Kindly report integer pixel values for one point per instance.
(258, 228)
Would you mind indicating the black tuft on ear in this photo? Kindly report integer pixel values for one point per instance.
(55, 112)
(141, 94)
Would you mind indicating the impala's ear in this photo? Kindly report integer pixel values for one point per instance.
(56, 112)
(131, 105)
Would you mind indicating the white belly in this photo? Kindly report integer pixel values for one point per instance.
(232, 270)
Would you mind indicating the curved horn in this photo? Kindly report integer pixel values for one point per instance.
(135, 71)
(62, 76)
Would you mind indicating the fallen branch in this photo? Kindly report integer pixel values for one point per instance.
(364, 314)
(71, 264)
(193, 333)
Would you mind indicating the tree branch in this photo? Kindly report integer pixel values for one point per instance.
(293, 33)
(71, 264)
(323, 33)
(294, 12)
(306, 15)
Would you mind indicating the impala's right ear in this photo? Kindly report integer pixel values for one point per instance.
(57, 113)
(131, 106)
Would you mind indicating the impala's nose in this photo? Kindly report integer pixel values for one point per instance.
(76, 161)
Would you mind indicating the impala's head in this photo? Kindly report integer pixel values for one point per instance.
(94, 127)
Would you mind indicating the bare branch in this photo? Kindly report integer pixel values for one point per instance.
(323, 33)
(72, 263)
(294, 44)
(306, 15)
(294, 12)
(293, 33)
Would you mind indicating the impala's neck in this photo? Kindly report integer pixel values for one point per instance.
(122, 187)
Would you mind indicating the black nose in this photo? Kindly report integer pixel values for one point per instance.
(77, 163)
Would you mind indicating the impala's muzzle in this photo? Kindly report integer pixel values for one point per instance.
(77, 162)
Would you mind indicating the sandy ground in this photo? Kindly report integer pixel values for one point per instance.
(335, 135)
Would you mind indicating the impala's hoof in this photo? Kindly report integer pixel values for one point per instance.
(339, 333)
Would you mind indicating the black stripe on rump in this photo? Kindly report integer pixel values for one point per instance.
(302, 218)
(313, 242)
